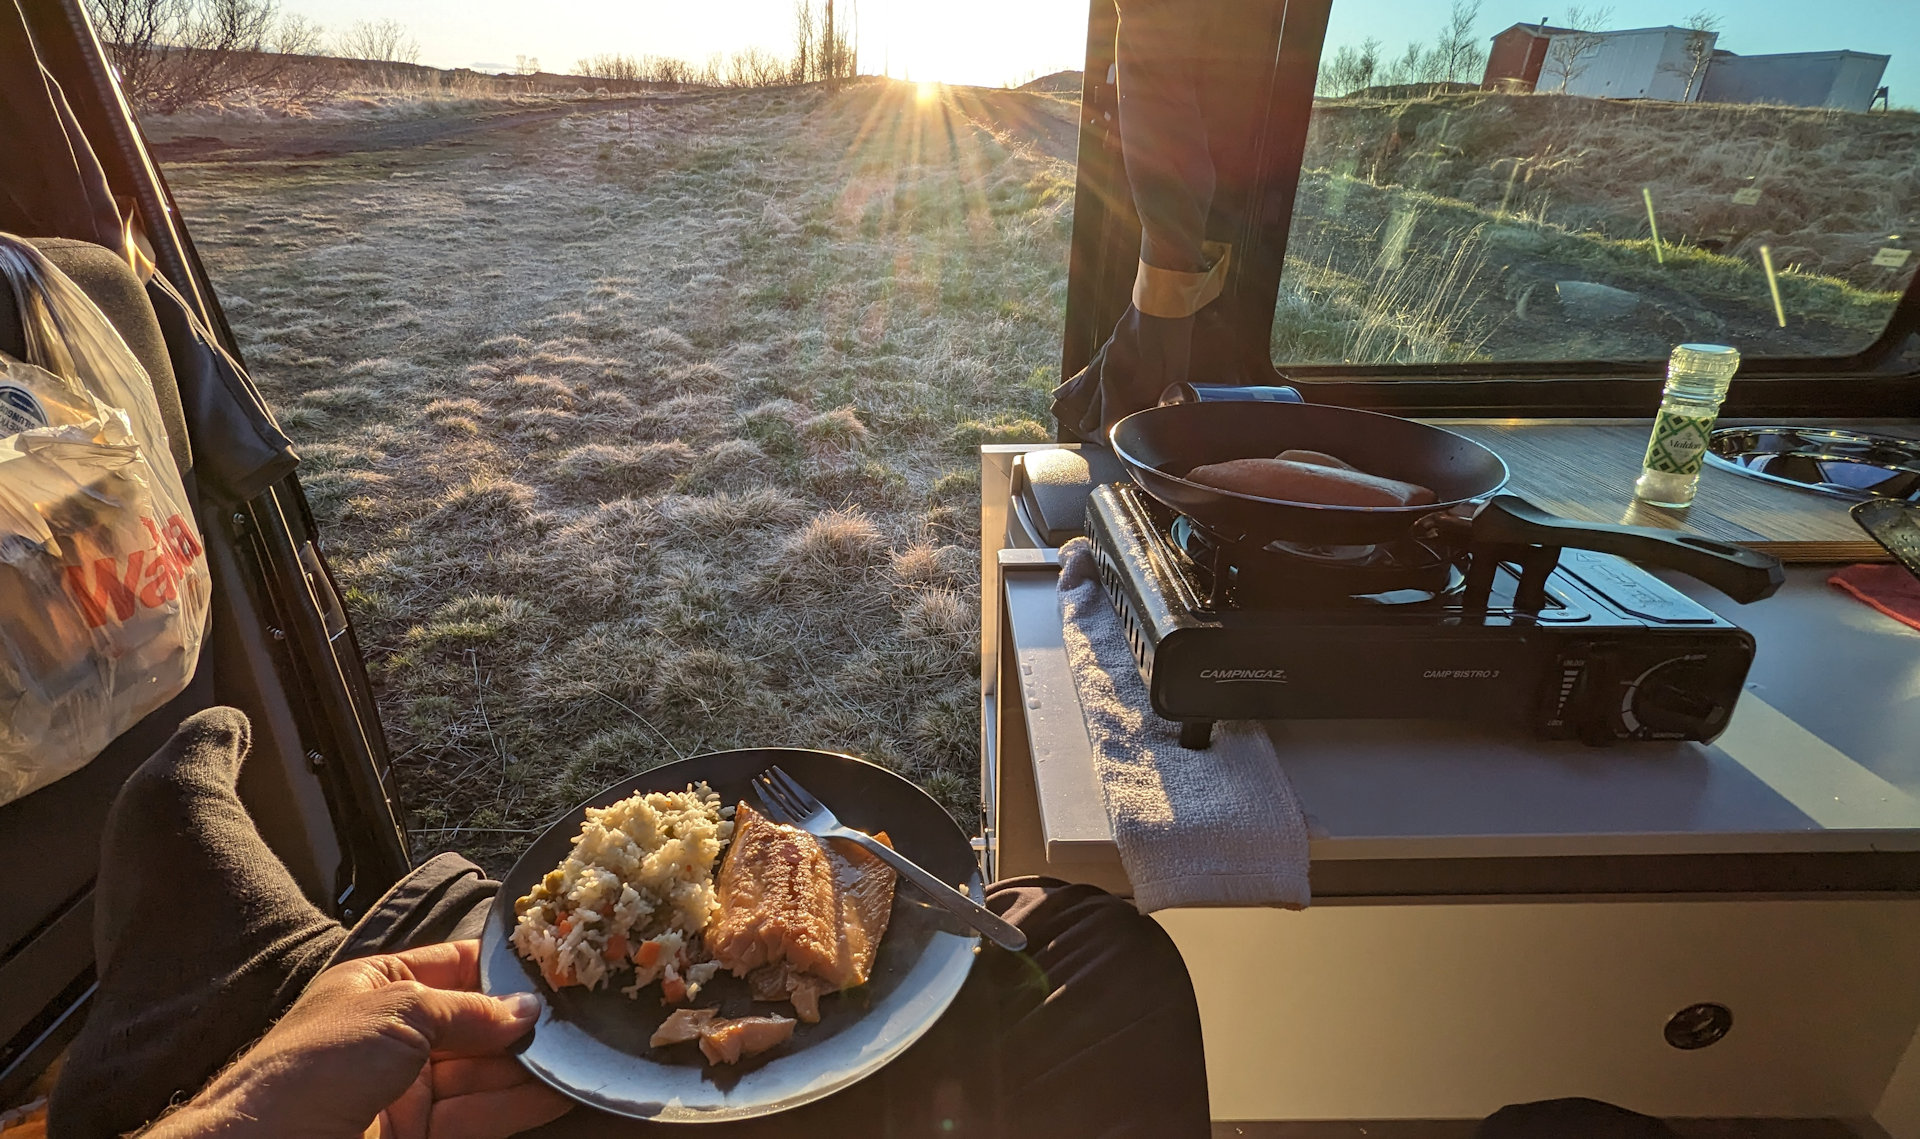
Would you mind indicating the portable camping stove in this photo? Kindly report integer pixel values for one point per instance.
(1573, 643)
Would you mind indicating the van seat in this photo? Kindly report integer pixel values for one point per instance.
(50, 840)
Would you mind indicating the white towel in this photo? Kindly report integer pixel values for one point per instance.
(1219, 826)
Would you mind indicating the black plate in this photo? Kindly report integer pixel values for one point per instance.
(592, 1045)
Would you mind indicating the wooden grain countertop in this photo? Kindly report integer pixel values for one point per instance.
(1585, 470)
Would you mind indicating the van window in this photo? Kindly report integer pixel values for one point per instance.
(1481, 184)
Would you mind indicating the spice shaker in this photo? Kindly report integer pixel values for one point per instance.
(1697, 379)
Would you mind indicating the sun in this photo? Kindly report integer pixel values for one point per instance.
(926, 92)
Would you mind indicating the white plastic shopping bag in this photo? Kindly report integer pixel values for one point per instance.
(103, 577)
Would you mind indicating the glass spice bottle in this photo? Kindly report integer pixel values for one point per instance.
(1698, 376)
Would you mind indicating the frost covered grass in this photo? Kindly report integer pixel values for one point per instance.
(634, 443)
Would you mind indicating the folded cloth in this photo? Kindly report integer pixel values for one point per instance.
(1219, 826)
(1888, 587)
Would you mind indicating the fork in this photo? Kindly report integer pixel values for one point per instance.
(788, 802)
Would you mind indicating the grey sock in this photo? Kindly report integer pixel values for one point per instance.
(201, 936)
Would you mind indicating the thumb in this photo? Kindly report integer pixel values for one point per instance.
(469, 1024)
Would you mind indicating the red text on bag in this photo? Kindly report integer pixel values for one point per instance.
(149, 579)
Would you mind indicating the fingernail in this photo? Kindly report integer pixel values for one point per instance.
(522, 1006)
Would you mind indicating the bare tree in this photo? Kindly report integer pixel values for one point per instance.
(1461, 58)
(379, 41)
(1351, 69)
(294, 34)
(624, 68)
(805, 67)
(1703, 29)
(526, 65)
(1417, 64)
(172, 53)
(1570, 53)
(823, 46)
(829, 49)
(753, 67)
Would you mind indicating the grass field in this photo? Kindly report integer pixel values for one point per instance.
(640, 435)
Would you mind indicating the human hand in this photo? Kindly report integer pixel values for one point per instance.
(392, 1047)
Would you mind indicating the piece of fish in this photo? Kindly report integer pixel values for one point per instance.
(788, 899)
(780, 981)
(726, 1041)
(685, 1024)
(722, 1041)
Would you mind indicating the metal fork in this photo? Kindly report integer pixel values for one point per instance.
(788, 802)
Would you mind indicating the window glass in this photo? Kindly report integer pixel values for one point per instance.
(1483, 184)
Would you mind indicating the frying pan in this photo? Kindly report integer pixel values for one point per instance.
(1160, 445)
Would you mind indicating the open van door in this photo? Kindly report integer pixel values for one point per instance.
(79, 184)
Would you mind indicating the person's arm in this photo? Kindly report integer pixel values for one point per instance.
(397, 1046)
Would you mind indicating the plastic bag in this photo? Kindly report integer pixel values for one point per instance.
(104, 587)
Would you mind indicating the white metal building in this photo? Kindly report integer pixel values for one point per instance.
(1637, 63)
(1845, 80)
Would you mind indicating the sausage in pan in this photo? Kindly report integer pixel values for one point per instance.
(1317, 458)
(1289, 481)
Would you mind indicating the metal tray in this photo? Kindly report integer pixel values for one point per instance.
(1853, 465)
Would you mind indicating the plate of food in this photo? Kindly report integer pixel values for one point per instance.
(698, 962)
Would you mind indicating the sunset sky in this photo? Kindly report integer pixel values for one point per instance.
(996, 42)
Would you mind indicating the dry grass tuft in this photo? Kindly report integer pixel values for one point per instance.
(836, 430)
(941, 614)
(837, 540)
(540, 391)
(485, 507)
(688, 417)
(629, 467)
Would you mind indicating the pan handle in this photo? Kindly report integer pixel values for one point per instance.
(1742, 574)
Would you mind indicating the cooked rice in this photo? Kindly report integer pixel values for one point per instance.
(641, 870)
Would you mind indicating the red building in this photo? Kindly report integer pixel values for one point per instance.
(1513, 63)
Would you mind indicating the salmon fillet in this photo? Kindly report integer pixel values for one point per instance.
(789, 901)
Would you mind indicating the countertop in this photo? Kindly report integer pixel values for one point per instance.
(1813, 788)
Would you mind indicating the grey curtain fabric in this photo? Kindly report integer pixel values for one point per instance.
(50, 181)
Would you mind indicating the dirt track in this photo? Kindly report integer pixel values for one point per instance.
(318, 140)
(1045, 122)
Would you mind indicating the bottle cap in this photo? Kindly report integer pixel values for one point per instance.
(1715, 359)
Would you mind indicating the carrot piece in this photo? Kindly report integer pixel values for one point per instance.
(673, 989)
(616, 947)
(647, 955)
(564, 926)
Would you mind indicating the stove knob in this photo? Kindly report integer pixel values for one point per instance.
(1674, 698)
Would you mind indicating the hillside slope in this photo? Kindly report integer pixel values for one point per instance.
(1443, 228)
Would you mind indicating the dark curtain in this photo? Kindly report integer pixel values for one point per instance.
(1192, 75)
(51, 184)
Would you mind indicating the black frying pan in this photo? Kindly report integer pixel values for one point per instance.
(1160, 445)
